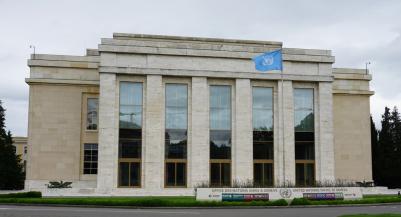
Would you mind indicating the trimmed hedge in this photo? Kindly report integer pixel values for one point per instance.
(33, 198)
(140, 202)
(368, 200)
(30, 194)
(300, 201)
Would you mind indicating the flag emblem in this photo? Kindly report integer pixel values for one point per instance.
(269, 61)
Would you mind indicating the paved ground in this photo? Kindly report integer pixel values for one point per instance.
(43, 211)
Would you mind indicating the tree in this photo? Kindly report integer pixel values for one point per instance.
(384, 146)
(386, 154)
(11, 172)
(375, 149)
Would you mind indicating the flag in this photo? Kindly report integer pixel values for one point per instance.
(269, 61)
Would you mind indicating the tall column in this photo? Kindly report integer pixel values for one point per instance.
(324, 145)
(153, 145)
(198, 157)
(108, 133)
(242, 147)
(284, 158)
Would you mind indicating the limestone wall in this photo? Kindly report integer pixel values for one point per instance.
(351, 120)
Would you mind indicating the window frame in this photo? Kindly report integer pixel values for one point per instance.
(91, 162)
(175, 161)
(130, 160)
(271, 142)
(305, 162)
(89, 97)
(221, 161)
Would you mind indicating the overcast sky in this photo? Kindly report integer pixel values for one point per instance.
(356, 32)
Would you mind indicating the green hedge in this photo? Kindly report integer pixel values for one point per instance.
(140, 202)
(369, 200)
(33, 198)
(30, 194)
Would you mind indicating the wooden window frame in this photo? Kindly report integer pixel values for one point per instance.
(304, 163)
(129, 161)
(220, 162)
(175, 162)
(263, 162)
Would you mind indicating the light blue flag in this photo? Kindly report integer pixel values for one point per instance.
(269, 61)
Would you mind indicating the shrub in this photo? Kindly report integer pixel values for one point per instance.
(300, 201)
(60, 184)
(280, 202)
(30, 194)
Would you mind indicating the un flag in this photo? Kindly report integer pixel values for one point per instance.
(269, 61)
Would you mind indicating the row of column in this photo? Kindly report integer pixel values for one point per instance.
(198, 146)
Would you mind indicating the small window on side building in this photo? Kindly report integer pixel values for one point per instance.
(92, 114)
(90, 158)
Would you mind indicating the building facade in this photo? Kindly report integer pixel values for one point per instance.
(21, 148)
(161, 115)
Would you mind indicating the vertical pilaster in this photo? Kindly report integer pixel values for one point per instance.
(153, 145)
(242, 147)
(285, 158)
(324, 146)
(108, 133)
(198, 158)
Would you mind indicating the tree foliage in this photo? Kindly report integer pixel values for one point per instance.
(386, 150)
(11, 172)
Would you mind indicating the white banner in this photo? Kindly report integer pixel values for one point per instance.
(249, 194)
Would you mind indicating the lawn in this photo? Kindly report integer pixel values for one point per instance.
(373, 215)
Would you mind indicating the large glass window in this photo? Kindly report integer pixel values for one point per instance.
(262, 119)
(304, 136)
(220, 135)
(176, 135)
(130, 134)
(90, 158)
(91, 114)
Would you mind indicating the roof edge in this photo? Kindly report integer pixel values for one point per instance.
(189, 38)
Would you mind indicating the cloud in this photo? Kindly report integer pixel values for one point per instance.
(356, 31)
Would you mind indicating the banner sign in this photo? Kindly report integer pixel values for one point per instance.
(244, 197)
(250, 194)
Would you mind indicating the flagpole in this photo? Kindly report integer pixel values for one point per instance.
(282, 118)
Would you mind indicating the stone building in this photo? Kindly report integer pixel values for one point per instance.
(21, 148)
(160, 115)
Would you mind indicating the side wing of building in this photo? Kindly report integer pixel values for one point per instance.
(351, 118)
(59, 88)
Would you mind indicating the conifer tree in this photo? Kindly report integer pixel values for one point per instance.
(375, 149)
(384, 148)
(11, 175)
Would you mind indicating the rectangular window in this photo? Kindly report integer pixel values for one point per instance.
(90, 158)
(304, 136)
(262, 120)
(130, 134)
(220, 135)
(176, 135)
(91, 115)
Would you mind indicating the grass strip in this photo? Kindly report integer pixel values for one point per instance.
(373, 215)
(369, 200)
